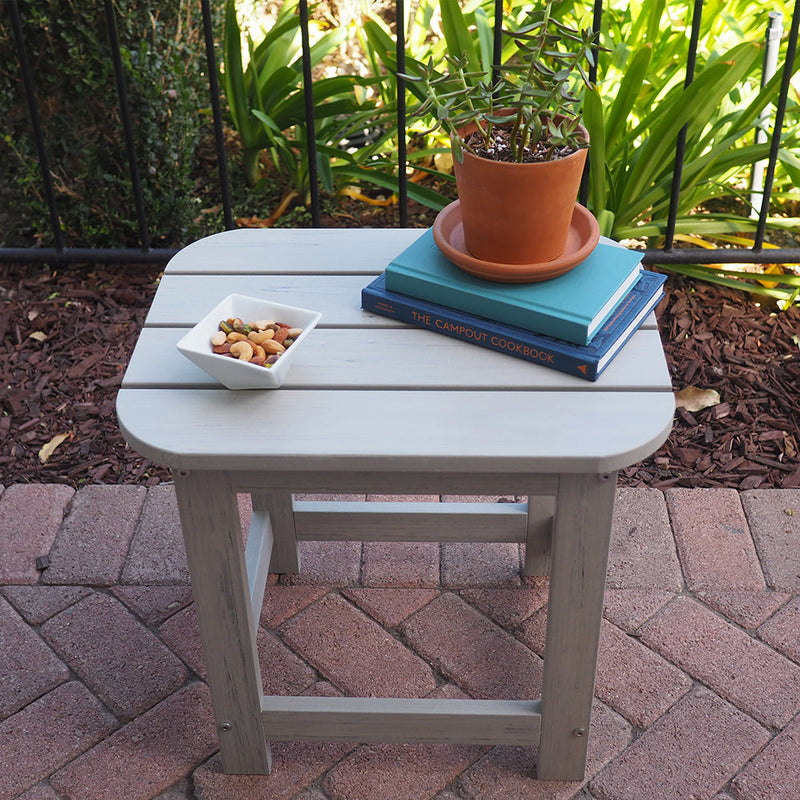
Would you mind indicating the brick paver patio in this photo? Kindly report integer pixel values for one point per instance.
(101, 672)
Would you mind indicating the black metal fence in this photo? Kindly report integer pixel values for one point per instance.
(60, 253)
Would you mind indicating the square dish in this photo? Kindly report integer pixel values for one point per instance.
(231, 372)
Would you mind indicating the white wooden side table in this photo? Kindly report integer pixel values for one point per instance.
(374, 406)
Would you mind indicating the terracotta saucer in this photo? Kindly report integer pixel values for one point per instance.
(448, 233)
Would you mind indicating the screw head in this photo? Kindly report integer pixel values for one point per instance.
(225, 726)
(579, 732)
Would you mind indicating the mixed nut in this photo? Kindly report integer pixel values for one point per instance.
(260, 343)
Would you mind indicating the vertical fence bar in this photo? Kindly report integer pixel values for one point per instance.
(772, 44)
(680, 148)
(127, 126)
(597, 21)
(36, 124)
(400, 53)
(311, 125)
(780, 111)
(216, 110)
(497, 43)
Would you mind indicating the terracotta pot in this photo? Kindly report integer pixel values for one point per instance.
(518, 213)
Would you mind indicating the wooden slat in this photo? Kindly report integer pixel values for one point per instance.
(434, 361)
(410, 522)
(400, 720)
(356, 250)
(182, 300)
(399, 431)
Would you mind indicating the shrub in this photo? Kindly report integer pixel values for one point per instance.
(68, 49)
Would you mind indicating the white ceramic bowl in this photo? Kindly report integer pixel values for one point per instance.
(235, 374)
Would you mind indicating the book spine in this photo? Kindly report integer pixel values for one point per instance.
(529, 348)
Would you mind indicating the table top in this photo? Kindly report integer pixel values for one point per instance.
(367, 392)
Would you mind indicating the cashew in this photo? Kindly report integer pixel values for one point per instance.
(242, 350)
(260, 336)
(236, 336)
(262, 324)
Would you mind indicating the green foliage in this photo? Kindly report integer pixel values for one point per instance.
(266, 104)
(529, 92)
(67, 45)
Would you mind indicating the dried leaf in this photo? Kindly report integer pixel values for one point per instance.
(693, 399)
(48, 449)
(40, 336)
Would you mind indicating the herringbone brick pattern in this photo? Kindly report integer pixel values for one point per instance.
(103, 697)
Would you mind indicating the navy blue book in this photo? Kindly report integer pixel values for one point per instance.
(585, 361)
(572, 307)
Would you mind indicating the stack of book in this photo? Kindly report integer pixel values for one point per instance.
(575, 323)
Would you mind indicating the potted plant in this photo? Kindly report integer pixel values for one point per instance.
(519, 151)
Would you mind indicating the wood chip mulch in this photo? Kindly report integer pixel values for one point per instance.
(66, 335)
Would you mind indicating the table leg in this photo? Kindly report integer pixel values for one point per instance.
(285, 556)
(581, 537)
(212, 533)
(538, 539)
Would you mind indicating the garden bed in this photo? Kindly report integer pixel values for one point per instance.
(67, 335)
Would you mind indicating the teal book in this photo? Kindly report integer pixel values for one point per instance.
(572, 307)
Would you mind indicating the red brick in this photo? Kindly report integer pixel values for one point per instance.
(295, 765)
(148, 755)
(389, 607)
(114, 654)
(774, 774)
(480, 564)
(28, 666)
(154, 604)
(282, 602)
(758, 680)
(510, 772)
(39, 792)
(282, 672)
(30, 515)
(783, 630)
(634, 680)
(631, 678)
(629, 608)
(157, 554)
(398, 771)
(93, 541)
(472, 651)
(354, 652)
(746, 609)
(401, 564)
(509, 607)
(714, 542)
(47, 734)
(774, 517)
(327, 564)
(38, 603)
(692, 751)
(182, 635)
(642, 554)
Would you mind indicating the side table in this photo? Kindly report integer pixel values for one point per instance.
(374, 406)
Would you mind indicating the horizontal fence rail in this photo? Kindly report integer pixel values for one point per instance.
(59, 252)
